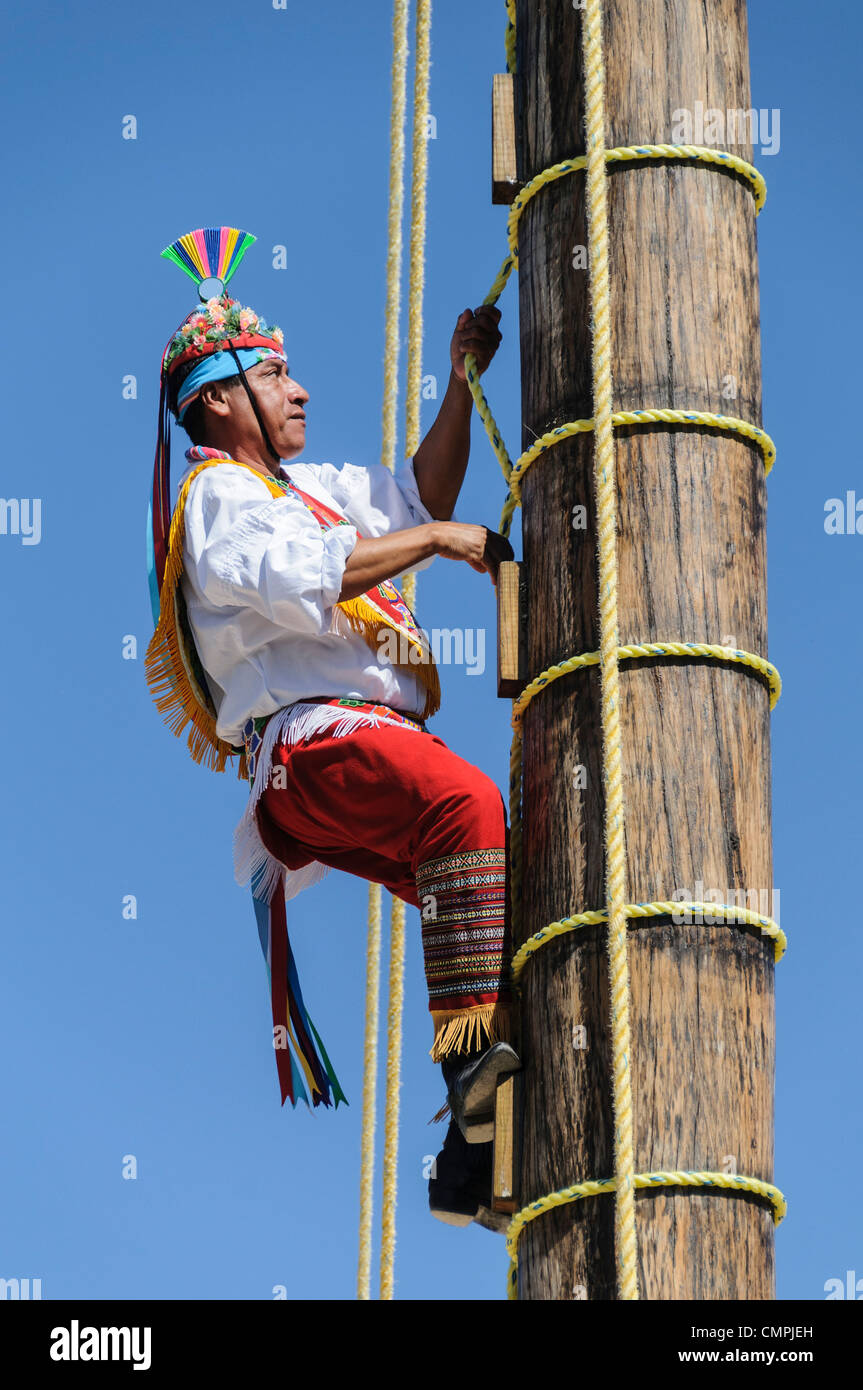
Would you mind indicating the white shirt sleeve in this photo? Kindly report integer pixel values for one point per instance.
(246, 549)
(377, 500)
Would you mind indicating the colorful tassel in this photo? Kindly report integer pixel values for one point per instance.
(293, 1030)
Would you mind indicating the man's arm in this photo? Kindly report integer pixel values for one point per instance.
(440, 462)
(374, 559)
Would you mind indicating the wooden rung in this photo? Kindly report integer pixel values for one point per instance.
(507, 1112)
(504, 181)
(511, 679)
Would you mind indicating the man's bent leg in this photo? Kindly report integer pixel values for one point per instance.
(406, 797)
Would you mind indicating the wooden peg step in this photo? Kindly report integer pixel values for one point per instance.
(511, 678)
(504, 181)
(505, 1154)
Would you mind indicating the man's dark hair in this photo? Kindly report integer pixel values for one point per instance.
(194, 420)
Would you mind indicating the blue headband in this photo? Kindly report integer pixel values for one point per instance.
(216, 367)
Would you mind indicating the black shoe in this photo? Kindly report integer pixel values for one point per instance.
(461, 1179)
(472, 1081)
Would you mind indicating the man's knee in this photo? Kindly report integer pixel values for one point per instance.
(470, 793)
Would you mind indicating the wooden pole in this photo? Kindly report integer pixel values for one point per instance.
(692, 559)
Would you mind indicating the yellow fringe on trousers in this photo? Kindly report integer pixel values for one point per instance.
(461, 1030)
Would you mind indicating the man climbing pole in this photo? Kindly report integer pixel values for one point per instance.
(276, 623)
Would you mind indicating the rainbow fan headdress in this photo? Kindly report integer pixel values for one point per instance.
(210, 254)
(206, 347)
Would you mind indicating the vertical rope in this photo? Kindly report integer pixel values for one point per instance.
(398, 83)
(391, 1121)
(606, 506)
(419, 178)
(419, 183)
(509, 41)
(370, 1074)
(394, 230)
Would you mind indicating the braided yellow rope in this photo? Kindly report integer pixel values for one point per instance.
(391, 362)
(394, 229)
(514, 472)
(370, 1073)
(737, 1182)
(391, 1114)
(617, 912)
(703, 418)
(725, 912)
(635, 651)
(419, 181)
(632, 154)
(717, 911)
(605, 482)
(696, 650)
(510, 36)
(419, 169)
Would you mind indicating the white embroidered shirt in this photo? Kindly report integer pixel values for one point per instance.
(261, 582)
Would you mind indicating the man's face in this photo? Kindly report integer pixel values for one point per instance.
(280, 400)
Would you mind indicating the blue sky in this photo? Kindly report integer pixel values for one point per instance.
(149, 1037)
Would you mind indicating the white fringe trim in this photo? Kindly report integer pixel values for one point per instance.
(290, 725)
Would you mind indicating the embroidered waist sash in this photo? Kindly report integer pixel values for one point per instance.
(253, 730)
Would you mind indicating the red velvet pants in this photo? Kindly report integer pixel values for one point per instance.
(396, 806)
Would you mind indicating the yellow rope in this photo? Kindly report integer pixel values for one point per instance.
(370, 1073)
(391, 1113)
(419, 167)
(391, 362)
(738, 1182)
(394, 229)
(612, 752)
(704, 650)
(596, 162)
(691, 650)
(513, 473)
(510, 36)
(703, 418)
(391, 358)
(419, 182)
(726, 912)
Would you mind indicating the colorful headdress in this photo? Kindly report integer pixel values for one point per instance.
(212, 343)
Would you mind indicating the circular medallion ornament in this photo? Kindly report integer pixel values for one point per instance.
(211, 288)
